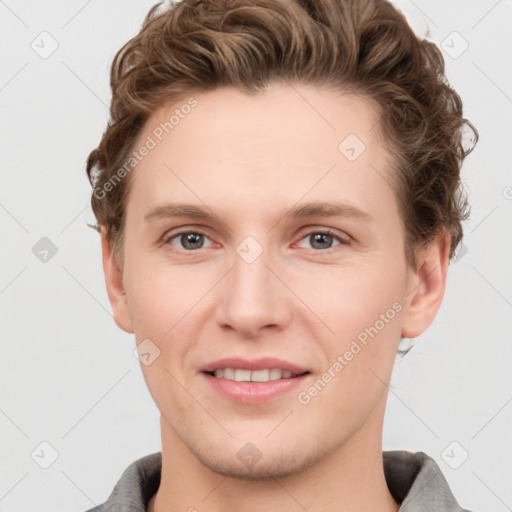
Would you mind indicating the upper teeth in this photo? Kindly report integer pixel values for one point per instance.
(255, 376)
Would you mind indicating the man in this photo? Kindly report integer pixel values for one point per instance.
(278, 199)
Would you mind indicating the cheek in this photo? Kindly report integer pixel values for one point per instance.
(365, 312)
(161, 303)
(167, 305)
(159, 295)
(347, 299)
(362, 305)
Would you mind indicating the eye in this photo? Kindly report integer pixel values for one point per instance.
(188, 240)
(323, 240)
(193, 240)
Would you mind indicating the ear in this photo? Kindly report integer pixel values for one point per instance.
(114, 284)
(426, 286)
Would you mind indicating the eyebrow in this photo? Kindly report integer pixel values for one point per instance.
(305, 210)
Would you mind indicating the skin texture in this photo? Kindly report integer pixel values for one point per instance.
(248, 160)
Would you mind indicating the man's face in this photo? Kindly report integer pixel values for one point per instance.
(260, 280)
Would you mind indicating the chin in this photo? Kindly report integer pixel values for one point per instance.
(260, 467)
(260, 471)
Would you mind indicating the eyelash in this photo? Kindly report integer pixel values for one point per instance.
(326, 231)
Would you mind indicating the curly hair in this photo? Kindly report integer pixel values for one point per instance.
(364, 47)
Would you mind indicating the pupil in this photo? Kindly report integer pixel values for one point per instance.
(321, 238)
(192, 240)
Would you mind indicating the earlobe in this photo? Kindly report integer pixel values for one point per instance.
(426, 287)
(114, 284)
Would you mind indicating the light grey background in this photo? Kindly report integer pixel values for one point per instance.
(68, 374)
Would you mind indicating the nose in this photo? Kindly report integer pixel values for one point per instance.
(252, 299)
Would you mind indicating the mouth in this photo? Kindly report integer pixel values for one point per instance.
(252, 382)
(264, 375)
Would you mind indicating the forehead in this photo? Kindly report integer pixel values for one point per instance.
(232, 148)
(295, 114)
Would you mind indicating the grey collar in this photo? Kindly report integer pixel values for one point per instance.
(414, 480)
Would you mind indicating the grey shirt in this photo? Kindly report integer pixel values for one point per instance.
(414, 480)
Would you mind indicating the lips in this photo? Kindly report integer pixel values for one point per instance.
(253, 393)
(254, 365)
(252, 382)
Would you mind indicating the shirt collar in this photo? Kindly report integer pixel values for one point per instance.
(414, 480)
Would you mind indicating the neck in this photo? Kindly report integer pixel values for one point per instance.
(351, 479)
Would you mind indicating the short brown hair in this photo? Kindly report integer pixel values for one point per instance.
(358, 46)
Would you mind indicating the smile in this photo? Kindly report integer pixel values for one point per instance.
(264, 375)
